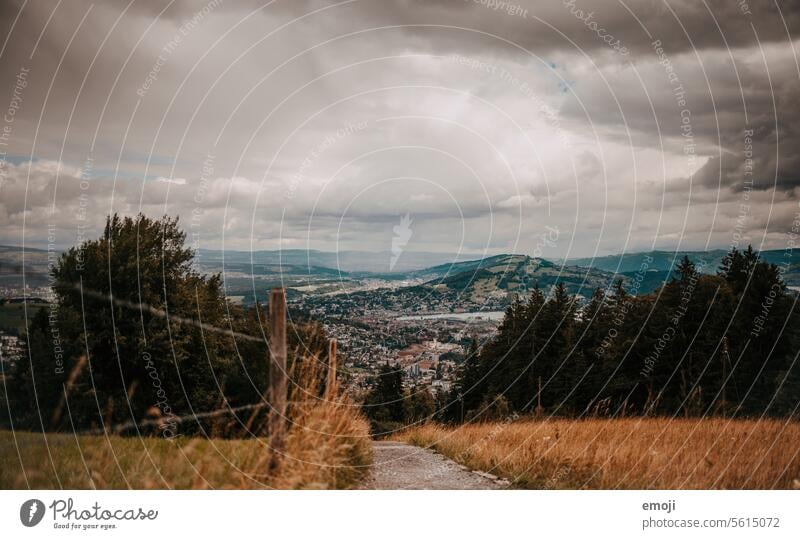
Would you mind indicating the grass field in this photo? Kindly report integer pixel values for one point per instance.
(328, 446)
(631, 453)
(313, 460)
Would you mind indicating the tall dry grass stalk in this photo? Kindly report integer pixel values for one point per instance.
(646, 453)
(328, 446)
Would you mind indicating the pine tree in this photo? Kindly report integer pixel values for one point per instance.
(385, 401)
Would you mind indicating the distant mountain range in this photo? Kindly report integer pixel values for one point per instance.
(13, 265)
(500, 273)
(663, 263)
(707, 261)
(345, 261)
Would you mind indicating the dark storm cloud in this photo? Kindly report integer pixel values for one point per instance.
(735, 103)
(553, 25)
(485, 84)
(690, 31)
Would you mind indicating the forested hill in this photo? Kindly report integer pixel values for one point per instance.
(516, 273)
(707, 262)
(707, 344)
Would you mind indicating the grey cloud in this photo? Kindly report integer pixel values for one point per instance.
(547, 26)
(419, 83)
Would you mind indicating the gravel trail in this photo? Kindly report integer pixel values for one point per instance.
(400, 466)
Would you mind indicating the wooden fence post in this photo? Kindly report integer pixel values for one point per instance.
(539, 409)
(278, 377)
(330, 386)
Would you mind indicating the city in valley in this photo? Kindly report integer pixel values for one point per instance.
(420, 317)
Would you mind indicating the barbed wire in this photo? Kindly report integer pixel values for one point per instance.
(171, 419)
(164, 314)
(149, 308)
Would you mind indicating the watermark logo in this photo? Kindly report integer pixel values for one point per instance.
(31, 513)
(402, 234)
(68, 516)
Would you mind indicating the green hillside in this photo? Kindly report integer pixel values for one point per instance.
(504, 274)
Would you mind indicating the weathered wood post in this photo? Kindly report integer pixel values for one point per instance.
(725, 357)
(539, 409)
(330, 386)
(278, 377)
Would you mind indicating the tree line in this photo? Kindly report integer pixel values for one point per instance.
(136, 332)
(702, 344)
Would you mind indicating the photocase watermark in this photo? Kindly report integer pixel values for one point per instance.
(67, 516)
(554, 480)
(549, 114)
(206, 176)
(494, 433)
(588, 18)
(622, 311)
(31, 512)
(744, 7)
(328, 142)
(675, 320)
(473, 63)
(738, 236)
(173, 44)
(9, 116)
(83, 227)
(546, 239)
(402, 235)
(766, 306)
(500, 5)
(776, 290)
(54, 306)
(680, 95)
(594, 26)
(748, 157)
(169, 422)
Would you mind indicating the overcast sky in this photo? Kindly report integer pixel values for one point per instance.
(559, 128)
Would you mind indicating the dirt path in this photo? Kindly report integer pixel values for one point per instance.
(400, 466)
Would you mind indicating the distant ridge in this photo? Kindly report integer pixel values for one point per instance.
(707, 261)
(511, 274)
(445, 269)
(347, 261)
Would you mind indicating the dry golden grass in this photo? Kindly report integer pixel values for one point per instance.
(327, 446)
(323, 450)
(630, 453)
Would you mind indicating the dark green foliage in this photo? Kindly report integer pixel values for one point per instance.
(720, 344)
(419, 405)
(157, 337)
(389, 407)
(384, 405)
